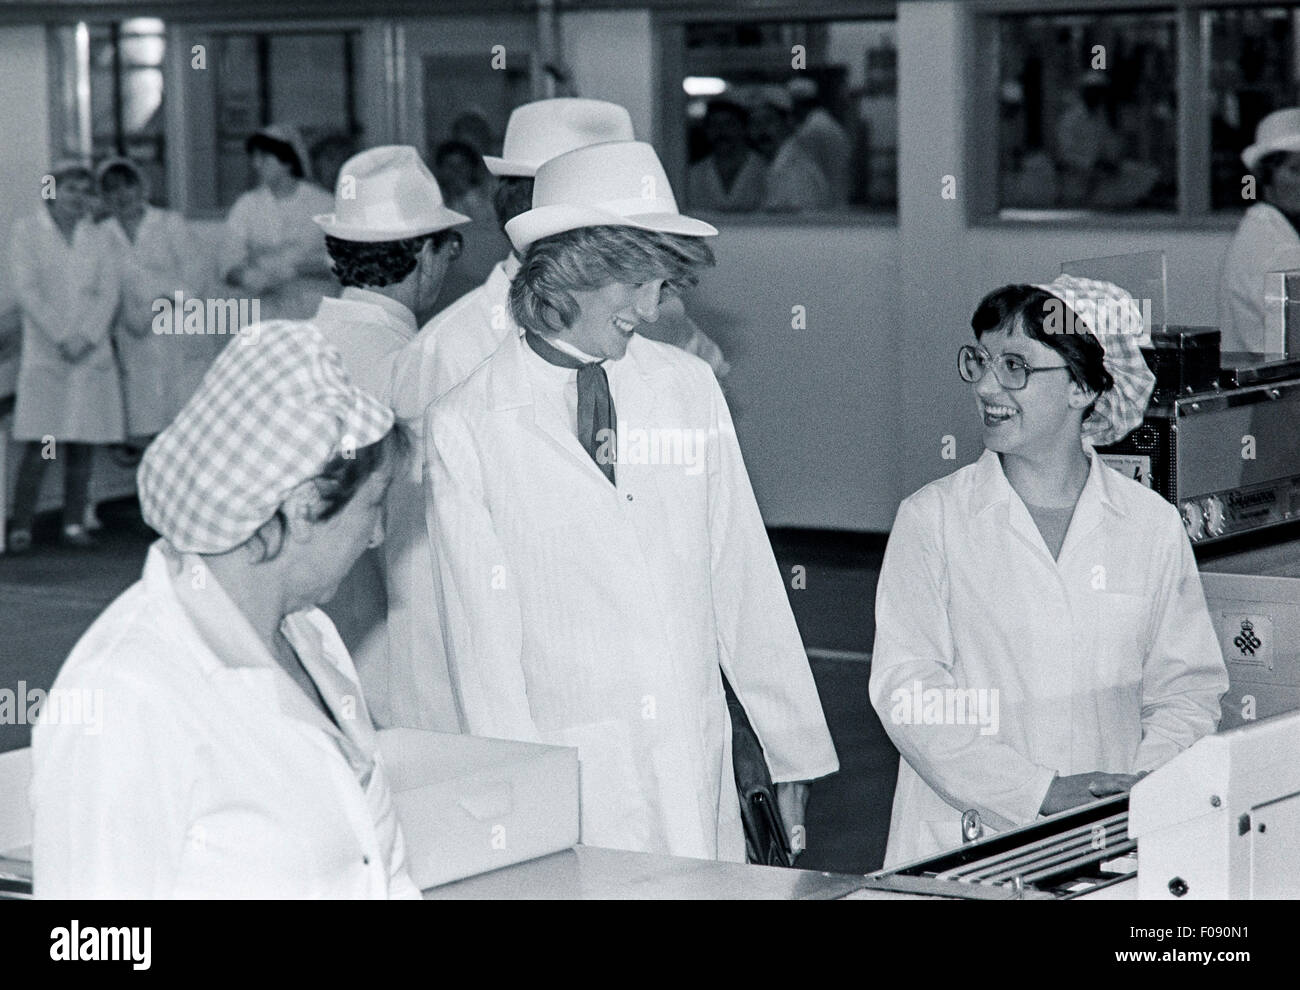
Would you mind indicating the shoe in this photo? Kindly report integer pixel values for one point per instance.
(75, 535)
(91, 519)
(20, 541)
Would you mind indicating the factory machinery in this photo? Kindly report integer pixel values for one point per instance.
(1219, 821)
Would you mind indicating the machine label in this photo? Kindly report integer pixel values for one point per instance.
(1135, 466)
(1248, 639)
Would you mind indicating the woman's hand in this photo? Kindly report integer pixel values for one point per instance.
(1082, 788)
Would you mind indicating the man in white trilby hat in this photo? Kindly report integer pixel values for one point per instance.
(390, 241)
(602, 558)
(1266, 239)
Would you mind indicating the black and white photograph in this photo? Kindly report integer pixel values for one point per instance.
(661, 450)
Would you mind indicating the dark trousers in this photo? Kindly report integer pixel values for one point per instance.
(77, 460)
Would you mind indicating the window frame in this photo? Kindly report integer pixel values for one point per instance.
(668, 29)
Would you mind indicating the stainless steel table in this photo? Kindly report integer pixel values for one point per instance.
(593, 873)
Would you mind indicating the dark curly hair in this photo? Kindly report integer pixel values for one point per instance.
(1024, 307)
(363, 264)
(340, 479)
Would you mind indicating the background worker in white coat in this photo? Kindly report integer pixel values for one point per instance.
(231, 753)
(271, 250)
(150, 247)
(592, 589)
(69, 396)
(1041, 633)
(390, 242)
(1266, 239)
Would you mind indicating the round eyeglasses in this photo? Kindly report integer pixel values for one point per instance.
(1011, 370)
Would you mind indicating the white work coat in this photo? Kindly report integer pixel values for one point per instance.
(65, 289)
(274, 236)
(386, 607)
(1264, 242)
(153, 366)
(1102, 660)
(582, 614)
(210, 773)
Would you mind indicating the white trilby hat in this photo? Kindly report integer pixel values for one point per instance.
(1279, 131)
(539, 131)
(617, 184)
(386, 194)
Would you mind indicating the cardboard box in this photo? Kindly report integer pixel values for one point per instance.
(468, 805)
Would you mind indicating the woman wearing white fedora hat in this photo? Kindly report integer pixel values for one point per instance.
(1266, 239)
(596, 580)
(270, 250)
(390, 242)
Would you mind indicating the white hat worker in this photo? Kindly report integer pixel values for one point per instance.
(538, 131)
(616, 184)
(387, 194)
(1279, 131)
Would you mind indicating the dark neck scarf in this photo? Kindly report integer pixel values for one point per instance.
(597, 422)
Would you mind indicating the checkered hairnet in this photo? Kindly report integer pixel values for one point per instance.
(1113, 316)
(274, 408)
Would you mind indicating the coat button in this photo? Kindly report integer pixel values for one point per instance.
(629, 498)
(365, 860)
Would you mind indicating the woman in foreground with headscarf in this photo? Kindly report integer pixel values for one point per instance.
(272, 250)
(207, 736)
(1041, 634)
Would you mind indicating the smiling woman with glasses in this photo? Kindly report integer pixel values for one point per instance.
(1046, 609)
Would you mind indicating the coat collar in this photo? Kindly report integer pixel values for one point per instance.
(635, 379)
(222, 641)
(392, 311)
(1099, 495)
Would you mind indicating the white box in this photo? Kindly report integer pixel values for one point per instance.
(468, 805)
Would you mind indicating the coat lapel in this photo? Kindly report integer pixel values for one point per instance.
(512, 390)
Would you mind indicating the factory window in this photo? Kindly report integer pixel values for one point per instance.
(109, 94)
(1252, 71)
(1087, 111)
(304, 78)
(1131, 110)
(782, 117)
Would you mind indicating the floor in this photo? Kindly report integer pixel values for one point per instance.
(49, 597)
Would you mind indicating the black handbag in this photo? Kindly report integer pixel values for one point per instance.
(766, 842)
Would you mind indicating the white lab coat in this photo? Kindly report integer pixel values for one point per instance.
(386, 606)
(1103, 660)
(211, 774)
(582, 614)
(1264, 242)
(65, 289)
(275, 236)
(153, 366)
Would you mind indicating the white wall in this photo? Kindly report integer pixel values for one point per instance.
(611, 56)
(810, 404)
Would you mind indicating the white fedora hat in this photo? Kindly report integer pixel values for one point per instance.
(539, 131)
(617, 184)
(1279, 131)
(386, 194)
